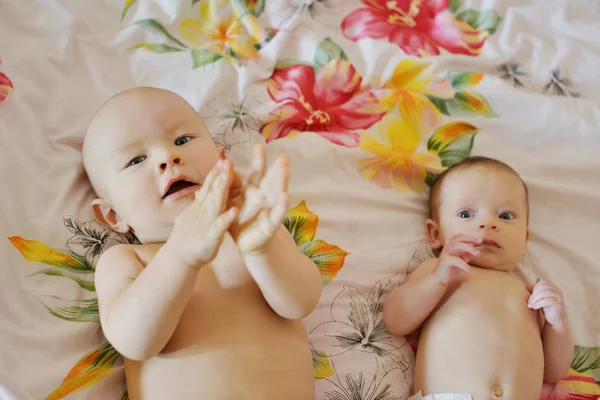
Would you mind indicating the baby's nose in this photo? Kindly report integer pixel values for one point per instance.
(488, 224)
(175, 161)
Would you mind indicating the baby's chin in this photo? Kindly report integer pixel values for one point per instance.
(495, 263)
(153, 234)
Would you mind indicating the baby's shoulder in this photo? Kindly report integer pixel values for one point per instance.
(426, 267)
(128, 253)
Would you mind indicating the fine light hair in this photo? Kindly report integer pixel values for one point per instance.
(468, 163)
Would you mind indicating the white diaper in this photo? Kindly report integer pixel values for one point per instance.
(442, 396)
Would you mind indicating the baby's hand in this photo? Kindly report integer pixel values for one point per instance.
(198, 232)
(456, 255)
(548, 297)
(263, 204)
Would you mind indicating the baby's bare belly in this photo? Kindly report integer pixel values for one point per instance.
(229, 345)
(484, 341)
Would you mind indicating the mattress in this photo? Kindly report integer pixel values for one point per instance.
(370, 100)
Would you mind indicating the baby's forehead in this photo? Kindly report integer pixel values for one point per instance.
(139, 113)
(476, 181)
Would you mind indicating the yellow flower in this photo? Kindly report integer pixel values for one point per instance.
(396, 165)
(411, 82)
(219, 31)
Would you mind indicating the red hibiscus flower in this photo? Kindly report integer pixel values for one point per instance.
(331, 103)
(418, 27)
(6, 86)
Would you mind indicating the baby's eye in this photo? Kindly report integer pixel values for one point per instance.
(465, 214)
(180, 141)
(136, 160)
(507, 216)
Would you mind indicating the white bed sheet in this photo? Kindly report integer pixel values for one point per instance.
(530, 90)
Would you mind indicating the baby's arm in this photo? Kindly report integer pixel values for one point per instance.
(406, 307)
(559, 346)
(289, 281)
(140, 307)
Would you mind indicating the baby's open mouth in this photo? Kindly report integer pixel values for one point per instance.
(178, 186)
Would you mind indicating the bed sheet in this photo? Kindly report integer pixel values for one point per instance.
(371, 100)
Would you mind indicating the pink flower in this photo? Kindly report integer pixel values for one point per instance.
(6, 86)
(330, 103)
(418, 27)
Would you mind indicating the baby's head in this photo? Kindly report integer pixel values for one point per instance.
(486, 199)
(146, 151)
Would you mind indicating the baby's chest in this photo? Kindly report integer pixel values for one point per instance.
(495, 292)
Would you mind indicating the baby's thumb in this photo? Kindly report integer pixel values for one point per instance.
(529, 287)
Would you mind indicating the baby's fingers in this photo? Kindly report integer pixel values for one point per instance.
(221, 224)
(276, 179)
(280, 208)
(459, 249)
(258, 166)
(461, 238)
(544, 294)
(216, 199)
(208, 182)
(545, 302)
(459, 263)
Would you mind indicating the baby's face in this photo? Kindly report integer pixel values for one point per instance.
(149, 153)
(489, 204)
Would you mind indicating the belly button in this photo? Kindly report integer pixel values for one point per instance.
(497, 392)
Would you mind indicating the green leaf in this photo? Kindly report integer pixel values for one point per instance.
(440, 104)
(431, 178)
(153, 25)
(487, 20)
(270, 35)
(86, 285)
(327, 257)
(464, 79)
(326, 51)
(89, 370)
(289, 62)
(454, 5)
(587, 360)
(156, 47)
(258, 8)
(126, 7)
(195, 1)
(87, 311)
(457, 150)
(36, 251)
(203, 57)
(301, 223)
(464, 104)
(474, 103)
(452, 142)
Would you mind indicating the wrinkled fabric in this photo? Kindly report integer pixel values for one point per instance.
(332, 85)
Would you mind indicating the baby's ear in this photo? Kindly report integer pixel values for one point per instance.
(433, 233)
(108, 217)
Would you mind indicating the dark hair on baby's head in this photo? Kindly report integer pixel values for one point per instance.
(470, 162)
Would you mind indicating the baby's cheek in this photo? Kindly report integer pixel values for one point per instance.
(141, 198)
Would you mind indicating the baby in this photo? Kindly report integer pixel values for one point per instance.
(482, 334)
(209, 306)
